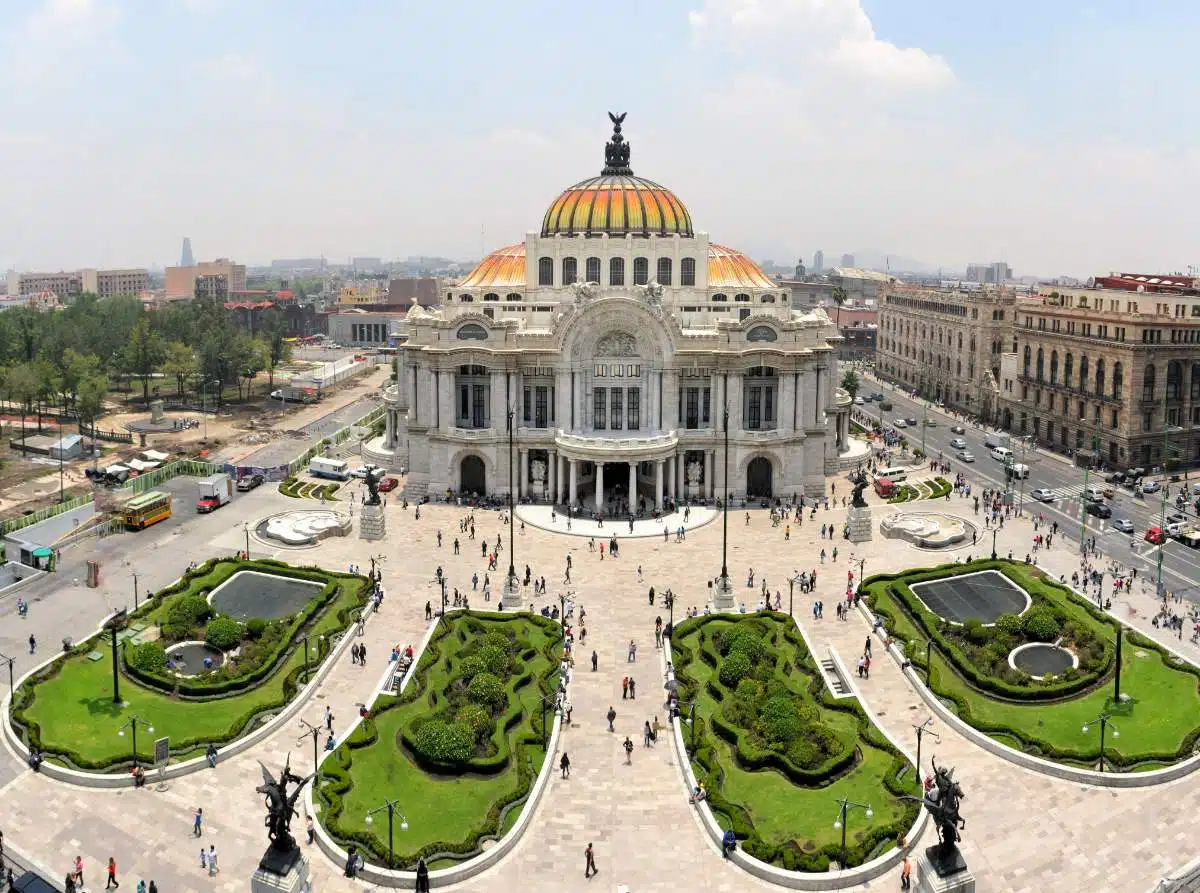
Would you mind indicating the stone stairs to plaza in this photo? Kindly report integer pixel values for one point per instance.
(834, 677)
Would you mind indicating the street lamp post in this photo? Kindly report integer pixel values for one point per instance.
(845, 805)
(1117, 668)
(1105, 721)
(791, 589)
(133, 724)
(442, 581)
(862, 570)
(562, 611)
(135, 591)
(113, 623)
(995, 530)
(306, 665)
(1095, 458)
(392, 810)
(923, 730)
(246, 528)
(692, 723)
(314, 732)
(725, 588)
(548, 706)
(11, 688)
(512, 510)
(929, 665)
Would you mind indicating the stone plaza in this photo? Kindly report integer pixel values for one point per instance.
(1026, 832)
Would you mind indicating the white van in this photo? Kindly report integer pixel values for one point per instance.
(895, 475)
(1093, 493)
(1018, 471)
(333, 469)
(1002, 454)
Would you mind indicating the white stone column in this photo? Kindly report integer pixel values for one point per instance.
(523, 460)
(552, 473)
(669, 477)
(497, 401)
(632, 487)
(680, 479)
(446, 400)
(599, 487)
(710, 472)
(658, 484)
(574, 480)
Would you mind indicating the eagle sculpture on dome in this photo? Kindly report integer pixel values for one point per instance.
(616, 150)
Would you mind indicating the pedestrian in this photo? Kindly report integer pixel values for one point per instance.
(153, 886)
(353, 654)
(428, 610)
(198, 822)
(310, 829)
(212, 859)
(628, 745)
(647, 734)
(141, 886)
(565, 765)
(422, 876)
(632, 652)
(32, 644)
(112, 883)
(625, 688)
(203, 859)
(612, 715)
(79, 872)
(632, 689)
(590, 868)
(329, 717)
(362, 655)
(906, 875)
(595, 660)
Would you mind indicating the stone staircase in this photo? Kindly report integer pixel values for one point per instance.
(833, 678)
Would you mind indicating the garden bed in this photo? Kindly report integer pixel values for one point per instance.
(298, 489)
(1158, 715)
(67, 710)
(776, 751)
(459, 749)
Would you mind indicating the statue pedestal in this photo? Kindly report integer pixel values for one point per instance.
(371, 523)
(293, 880)
(722, 596)
(937, 877)
(859, 521)
(510, 594)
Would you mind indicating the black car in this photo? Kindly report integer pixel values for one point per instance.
(911, 421)
(249, 482)
(1099, 509)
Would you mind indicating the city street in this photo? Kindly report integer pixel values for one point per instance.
(1180, 564)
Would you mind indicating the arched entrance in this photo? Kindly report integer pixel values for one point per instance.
(472, 475)
(758, 477)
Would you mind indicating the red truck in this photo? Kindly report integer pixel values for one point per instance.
(215, 492)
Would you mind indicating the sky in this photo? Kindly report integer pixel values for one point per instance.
(1055, 135)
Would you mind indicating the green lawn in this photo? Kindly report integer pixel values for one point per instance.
(448, 810)
(1159, 723)
(781, 821)
(69, 710)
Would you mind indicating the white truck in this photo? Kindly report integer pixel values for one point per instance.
(215, 492)
(995, 439)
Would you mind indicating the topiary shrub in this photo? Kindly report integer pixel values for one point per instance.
(188, 611)
(449, 743)
(470, 667)
(487, 690)
(1009, 624)
(478, 719)
(494, 659)
(223, 633)
(749, 643)
(734, 669)
(779, 721)
(255, 627)
(149, 657)
(975, 631)
(1041, 625)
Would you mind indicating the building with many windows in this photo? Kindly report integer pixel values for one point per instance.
(624, 348)
(946, 343)
(68, 284)
(1115, 367)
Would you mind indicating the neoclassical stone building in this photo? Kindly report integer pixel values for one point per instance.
(616, 337)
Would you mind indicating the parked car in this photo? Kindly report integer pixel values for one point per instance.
(1151, 486)
(876, 396)
(958, 443)
(1123, 524)
(1175, 528)
(364, 471)
(388, 484)
(1099, 509)
(1041, 494)
(859, 401)
(965, 456)
(900, 423)
(957, 429)
(249, 482)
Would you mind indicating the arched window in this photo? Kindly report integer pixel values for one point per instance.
(1083, 374)
(1174, 380)
(664, 271)
(471, 332)
(512, 296)
(768, 299)
(741, 298)
(1041, 362)
(616, 271)
(641, 271)
(1119, 374)
(972, 345)
(1148, 382)
(958, 365)
(761, 333)
(687, 271)
(1068, 368)
(1100, 377)
(491, 296)
(545, 271)
(960, 340)
(466, 299)
(593, 269)
(720, 297)
(1054, 367)
(1028, 359)
(570, 270)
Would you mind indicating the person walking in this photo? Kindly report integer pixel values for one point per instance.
(590, 856)
(595, 660)
(565, 765)
(906, 875)
(632, 689)
(611, 716)
(79, 872)
(632, 658)
(329, 717)
(647, 734)
(310, 829)
(212, 859)
(628, 745)
(198, 822)
(112, 883)
(625, 688)
(32, 644)
(423, 872)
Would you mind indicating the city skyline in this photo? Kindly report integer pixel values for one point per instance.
(783, 124)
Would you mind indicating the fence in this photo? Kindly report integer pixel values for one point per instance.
(341, 435)
(15, 524)
(100, 434)
(181, 468)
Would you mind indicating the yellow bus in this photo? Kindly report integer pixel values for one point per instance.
(147, 508)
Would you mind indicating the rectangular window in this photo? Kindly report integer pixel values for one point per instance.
(527, 404)
(616, 416)
(541, 407)
(705, 405)
(769, 407)
(754, 410)
(692, 412)
(601, 370)
(1113, 423)
(464, 403)
(600, 408)
(1148, 421)
(479, 406)
(635, 408)
(679, 403)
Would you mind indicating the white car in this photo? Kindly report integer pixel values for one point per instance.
(1123, 524)
(900, 423)
(1041, 494)
(858, 401)
(361, 473)
(965, 456)
(958, 443)
(1151, 486)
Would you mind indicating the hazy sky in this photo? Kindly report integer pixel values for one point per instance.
(1054, 134)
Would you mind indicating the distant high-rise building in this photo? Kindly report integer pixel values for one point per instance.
(818, 263)
(217, 279)
(847, 260)
(995, 273)
(185, 256)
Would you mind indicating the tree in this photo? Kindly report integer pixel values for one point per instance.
(145, 352)
(76, 367)
(49, 384)
(250, 358)
(839, 298)
(850, 383)
(272, 330)
(22, 385)
(180, 362)
(92, 391)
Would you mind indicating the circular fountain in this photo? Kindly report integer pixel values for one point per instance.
(1040, 659)
(303, 527)
(189, 658)
(927, 530)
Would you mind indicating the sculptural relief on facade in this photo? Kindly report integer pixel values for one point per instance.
(617, 344)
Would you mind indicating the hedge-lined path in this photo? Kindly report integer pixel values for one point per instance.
(1025, 832)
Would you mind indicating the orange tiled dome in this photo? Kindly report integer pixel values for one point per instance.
(617, 203)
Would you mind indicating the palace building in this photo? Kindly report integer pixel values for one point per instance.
(618, 342)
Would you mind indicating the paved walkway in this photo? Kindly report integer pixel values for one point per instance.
(546, 518)
(1024, 833)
